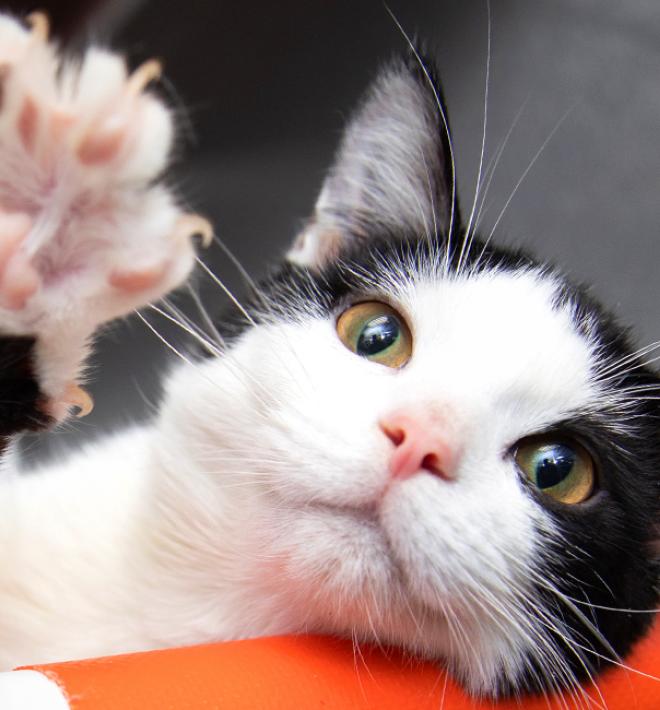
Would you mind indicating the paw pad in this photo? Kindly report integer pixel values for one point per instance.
(81, 147)
(87, 233)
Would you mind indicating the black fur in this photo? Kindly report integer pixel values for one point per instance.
(607, 557)
(21, 400)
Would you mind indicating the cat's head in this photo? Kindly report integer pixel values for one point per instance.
(434, 442)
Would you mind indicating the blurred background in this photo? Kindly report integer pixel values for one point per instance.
(262, 90)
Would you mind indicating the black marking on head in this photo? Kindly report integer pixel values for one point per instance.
(601, 573)
(607, 556)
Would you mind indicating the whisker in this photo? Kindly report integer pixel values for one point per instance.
(227, 361)
(619, 664)
(199, 338)
(431, 242)
(465, 247)
(227, 292)
(205, 315)
(163, 340)
(217, 348)
(496, 161)
(617, 374)
(445, 123)
(532, 162)
(237, 264)
(617, 367)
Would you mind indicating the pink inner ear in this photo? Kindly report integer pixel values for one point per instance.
(316, 245)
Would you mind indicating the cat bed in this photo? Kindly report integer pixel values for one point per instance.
(295, 672)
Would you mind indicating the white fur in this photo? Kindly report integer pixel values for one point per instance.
(88, 217)
(259, 502)
(29, 690)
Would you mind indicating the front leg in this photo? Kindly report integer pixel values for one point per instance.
(86, 233)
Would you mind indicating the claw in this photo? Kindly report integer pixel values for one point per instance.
(39, 26)
(76, 396)
(188, 225)
(144, 75)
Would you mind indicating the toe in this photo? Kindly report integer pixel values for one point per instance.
(190, 225)
(143, 76)
(103, 144)
(39, 25)
(19, 281)
(137, 280)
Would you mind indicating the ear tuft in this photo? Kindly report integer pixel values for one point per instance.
(393, 171)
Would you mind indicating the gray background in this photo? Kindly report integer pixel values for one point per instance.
(262, 90)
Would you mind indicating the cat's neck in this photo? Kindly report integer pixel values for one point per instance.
(200, 540)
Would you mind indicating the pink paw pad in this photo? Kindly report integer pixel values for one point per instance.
(81, 147)
(87, 232)
(106, 138)
(137, 280)
(18, 278)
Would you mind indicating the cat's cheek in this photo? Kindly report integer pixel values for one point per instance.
(452, 539)
(320, 439)
(330, 467)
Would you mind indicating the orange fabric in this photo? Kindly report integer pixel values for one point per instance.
(308, 672)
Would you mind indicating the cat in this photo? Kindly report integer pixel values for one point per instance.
(407, 436)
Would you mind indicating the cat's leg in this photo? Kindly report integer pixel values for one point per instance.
(86, 232)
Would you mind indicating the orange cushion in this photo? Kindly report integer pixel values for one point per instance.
(314, 672)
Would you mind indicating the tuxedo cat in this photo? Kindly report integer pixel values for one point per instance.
(406, 436)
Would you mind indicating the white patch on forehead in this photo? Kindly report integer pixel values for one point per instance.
(498, 338)
(494, 358)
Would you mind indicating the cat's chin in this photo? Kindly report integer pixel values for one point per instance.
(349, 575)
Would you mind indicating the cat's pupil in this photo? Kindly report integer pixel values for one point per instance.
(553, 464)
(377, 335)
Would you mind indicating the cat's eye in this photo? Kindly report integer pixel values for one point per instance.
(559, 467)
(377, 332)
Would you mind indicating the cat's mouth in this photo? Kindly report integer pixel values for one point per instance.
(365, 513)
(368, 519)
(373, 538)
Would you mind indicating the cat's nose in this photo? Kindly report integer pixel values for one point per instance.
(420, 445)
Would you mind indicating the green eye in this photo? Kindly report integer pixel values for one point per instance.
(560, 468)
(376, 331)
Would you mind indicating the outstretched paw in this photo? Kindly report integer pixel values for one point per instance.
(86, 234)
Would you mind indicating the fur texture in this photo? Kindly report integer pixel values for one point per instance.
(260, 500)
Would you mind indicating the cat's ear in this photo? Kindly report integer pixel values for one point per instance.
(394, 170)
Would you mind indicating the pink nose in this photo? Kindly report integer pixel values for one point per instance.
(421, 445)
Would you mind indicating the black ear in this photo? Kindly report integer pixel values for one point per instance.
(394, 170)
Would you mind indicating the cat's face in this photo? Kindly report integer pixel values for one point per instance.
(439, 446)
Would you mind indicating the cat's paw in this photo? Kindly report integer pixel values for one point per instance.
(85, 233)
